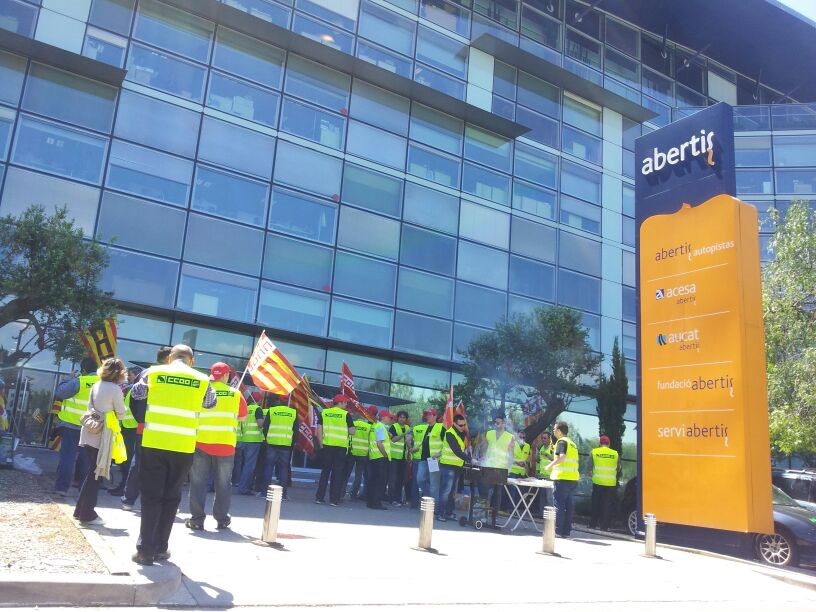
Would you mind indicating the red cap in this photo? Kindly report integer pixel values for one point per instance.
(219, 369)
(340, 398)
(371, 411)
(430, 411)
(604, 439)
(385, 413)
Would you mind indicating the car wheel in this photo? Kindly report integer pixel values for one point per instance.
(778, 549)
(632, 523)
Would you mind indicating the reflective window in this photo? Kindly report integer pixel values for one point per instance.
(582, 116)
(376, 145)
(425, 293)
(268, 10)
(534, 200)
(532, 278)
(579, 144)
(538, 95)
(158, 124)
(435, 167)
(7, 117)
(482, 265)
(622, 37)
(629, 305)
(592, 323)
(313, 124)
(486, 184)
(239, 98)
(293, 309)
(628, 200)
(369, 233)
(393, 62)
(583, 49)
(139, 224)
(149, 329)
(431, 208)
(322, 33)
(24, 189)
(796, 181)
(166, 73)
(387, 28)
(541, 28)
(227, 195)
(342, 13)
(309, 170)
(69, 97)
(236, 147)
(489, 149)
(447, 14)
(427, 250)
(441, 52)
(12, 72)
(104, 47)
(628, 263)
(373, 190)
(213, 242)
(463, 335)
(795, 150)
(202, 338)
(61, 150)
(542, 129)
(622, 67)
(380, 107)
(148, 173)
(478, 305)
(436, 129)
(317, 84)
(536, 165)
(423, 335)
(579, 291)
(658, 86)
(753, 151)
(302, 216)
(629, 341)
(364, 278)
(582, 215)
(755, 181)
(518, 305)
(628, 231)
(249, 58)
(484, 224)
(140, 279)
(361, 323)
(581, 182)
(579, 253)
(369, 367)
(174, 30)
(18, 17)
(532, 239)
(298, 263)
(217, 294)
(435, 79)
(113, 15)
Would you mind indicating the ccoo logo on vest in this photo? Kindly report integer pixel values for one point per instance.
(169, 379)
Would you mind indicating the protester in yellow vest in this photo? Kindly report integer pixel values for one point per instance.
(604, 463)
(521, 456)
(379, 455)
(250, 441)
(175, 394)
(357, 458)
(565, 476)
(415, 448)
(334, 426)
(216, 437)
(396, 467)
(428, 475)
(450, 464)
(545, 455)
(281, 426)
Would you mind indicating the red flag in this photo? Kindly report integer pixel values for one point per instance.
(460, 409)
(347, 389)
(447, 419)
(302, 400)
(270, 370)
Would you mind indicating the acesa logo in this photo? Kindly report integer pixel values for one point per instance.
(698, 145)
(673, 292)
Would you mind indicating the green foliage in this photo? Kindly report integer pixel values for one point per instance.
(789, 303)
(48, 280)
(612, 392)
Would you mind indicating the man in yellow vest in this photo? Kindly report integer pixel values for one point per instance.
(281, 426)
(428, 478)
(565, 476)
(521, 456)
(545, 455)
(215, 451)
(175, 394)
(334, 426)
(74, 394)
(396, 467)
(250, 439)
(379, 456)
(357, 458)
(498, 452)
(604, 464)
(450, 464)
(415, 448)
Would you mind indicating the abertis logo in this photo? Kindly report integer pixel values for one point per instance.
(704, 143)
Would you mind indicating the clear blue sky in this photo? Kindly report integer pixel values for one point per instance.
(806, 7)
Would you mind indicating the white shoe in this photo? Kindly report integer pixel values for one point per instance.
(97, 521)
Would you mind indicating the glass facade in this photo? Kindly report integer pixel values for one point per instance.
(249, 186)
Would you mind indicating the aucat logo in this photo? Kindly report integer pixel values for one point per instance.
(686, 339)
(704, 143)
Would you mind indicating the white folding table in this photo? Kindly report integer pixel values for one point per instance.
(522, 509)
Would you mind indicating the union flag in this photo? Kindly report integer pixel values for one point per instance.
(303, 400)
(100, 343)
(270, 370)
(447, 419)
(347, 389)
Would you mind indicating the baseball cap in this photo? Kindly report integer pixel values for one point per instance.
(430, 411)
(604, 439)
(340, 398)
(219, 369)
(371, 410)
(385, 413)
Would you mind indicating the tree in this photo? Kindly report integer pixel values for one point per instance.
(48, 282)
(612, 393)
(789, 304)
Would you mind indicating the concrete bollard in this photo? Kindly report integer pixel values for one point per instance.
(426, 519)
(651, 535)
(274, 496)
(548, 536)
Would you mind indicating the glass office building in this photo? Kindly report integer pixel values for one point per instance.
(376, 181)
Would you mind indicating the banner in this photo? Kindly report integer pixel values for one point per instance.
(347, 389)
(447, 418)
(303, 401)
(270, 370)
(100, 344)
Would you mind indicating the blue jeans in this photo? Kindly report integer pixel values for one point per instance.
(449, 474)
(69, 445)
(428, 481)
(282, 458)
(132, 483)
(415, 483)
(203, 466)
(247, 455)
(564, 505)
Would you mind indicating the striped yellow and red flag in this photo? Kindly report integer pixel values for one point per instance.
(270, 370)
(100, 343)
(302, 399)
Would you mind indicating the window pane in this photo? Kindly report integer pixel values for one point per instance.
(542, 129)
(540, 28)
(387, 28)
(628, 263)
(579, 291)
(485, 225)
(482, 265)
(149, 173)
(142, 225)
(432, 166)
(658, 86)
(582, 116)
(534, 200)
(427, 250)
(149, 329)
(504, 80)
(755, 181)
(531, 278)
(536, 165)
(478, 305)
(7, 117)
(489, 149)
(579, 253)
(12, 72)
(322, 33)
(583, 49)
(533, 239)
(342, 13)
(217, 294)
(309, 170)
(213, 242)
(538, 95)
(18, 17)
(581, 182)
(441, 52)
(299, 215)
(622, 67)
(239, 98)
(113, 15)
(380, 107)
(140, 279)
(422, 335)
(293, 309)
(753, 151)
(362, 324)
(446, 14)
(628, 200)
(622, 37)
(230, 196)
(628, 231)
(796, 181)
(158, 124)
(629, 304)
(463, 335)
(249, 58)
(315, 83)
(313, 124)
(431, 208)
(237, 148)
(298, 263)
(166, 73)
(364, 278)
(376, 145)
(173, 30)
(69, 97)
(373, 190)
(46, 146)
(795, 150)
(201, 338)
(485, 184)
(369, 233)
(435, 79)
(436, 129)
(268, 10)
(104, 47)
(387, 60)
(582, 215)
(425, 293)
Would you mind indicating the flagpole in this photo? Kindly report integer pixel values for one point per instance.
(240, 380)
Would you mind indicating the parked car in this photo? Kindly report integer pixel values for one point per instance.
(799, 484)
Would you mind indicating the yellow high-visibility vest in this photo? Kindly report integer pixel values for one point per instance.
(568, 468)
(359, 441)
(448, 456)
(220, 424)
(520, 453)
(604, 466)
(498, 449)
(74, 407)
(398, 448)
(335, 429)
(281, 421)
(129, 422)
(418, 433)
(373, 448)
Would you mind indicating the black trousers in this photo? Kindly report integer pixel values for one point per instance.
(89, 489)
(360, 466)
(162, 474)
(333, 459)
(603, 501)
(375, 484)
(396, 476)
(129, 437)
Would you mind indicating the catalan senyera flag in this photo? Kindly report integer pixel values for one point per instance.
(100, 343)
(347, 389)
(447, 418)
(270, 370)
